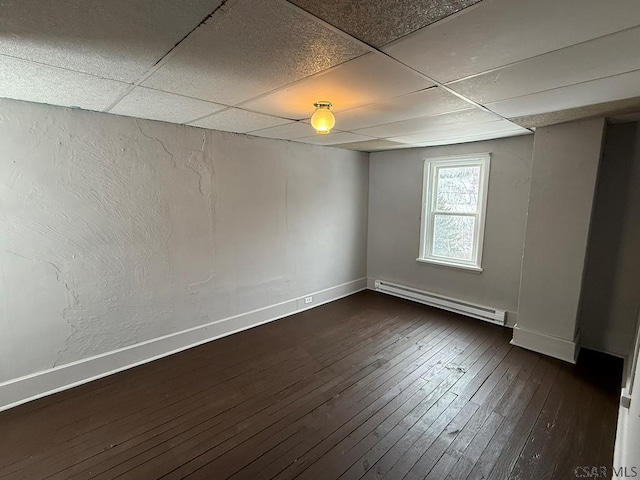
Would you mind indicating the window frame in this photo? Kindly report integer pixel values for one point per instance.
(429, 178)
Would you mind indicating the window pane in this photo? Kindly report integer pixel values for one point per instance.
(457, 189)
(453, 236)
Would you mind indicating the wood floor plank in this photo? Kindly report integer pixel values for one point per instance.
(407, 434)
(408, 463)
(399, 376)
(78, 435)
(471, 429)
(511, 451)
(199, 441)
(369, 386)
(164, 378)
(417, 436)
(255, 409)
(510, 402)
(511, 409)
(56, 455)
(477, 446)
(544, 428)
(436, 451)
(348, 451)
(336, 444)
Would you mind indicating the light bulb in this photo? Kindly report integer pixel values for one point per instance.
(322, 119)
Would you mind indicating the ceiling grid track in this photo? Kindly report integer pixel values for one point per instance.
(377, 51)
(162, 60)
(408, 73)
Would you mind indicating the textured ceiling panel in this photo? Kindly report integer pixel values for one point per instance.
(424, 124)
(432, 101)
(335, 138)
(490, 135)
(498, 32)
(580, 63)
(33, 82)
(608, 89)
(380, 22)
(288, 131)
(167, 107)
(250, 49)
(536, 60)
(239, 121)
(361, 81)
(374, 145)
(118, 39)
(451, 135)
(627, 108)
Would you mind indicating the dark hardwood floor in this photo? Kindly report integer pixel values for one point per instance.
(366, 387)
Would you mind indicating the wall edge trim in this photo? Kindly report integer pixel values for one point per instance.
(560, 348)
(37, 385)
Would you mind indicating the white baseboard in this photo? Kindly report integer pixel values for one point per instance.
(30, 387)
(560, 348)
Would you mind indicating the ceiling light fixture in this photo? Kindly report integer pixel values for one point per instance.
(322, 119)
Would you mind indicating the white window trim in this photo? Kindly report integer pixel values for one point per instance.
(426, 222)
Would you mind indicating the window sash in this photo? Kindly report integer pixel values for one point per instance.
(434, 184)
(431, 238)
(430, 210)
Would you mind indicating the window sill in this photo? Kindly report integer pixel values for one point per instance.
(455, 266)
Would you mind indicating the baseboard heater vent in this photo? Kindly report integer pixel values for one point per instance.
(439, 301)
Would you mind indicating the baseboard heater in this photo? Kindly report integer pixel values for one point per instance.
(439, 301)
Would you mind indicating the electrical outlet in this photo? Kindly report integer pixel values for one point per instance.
(308, 299)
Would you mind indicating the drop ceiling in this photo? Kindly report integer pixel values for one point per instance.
(400, 74)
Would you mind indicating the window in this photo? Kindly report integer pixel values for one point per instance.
(453, 210)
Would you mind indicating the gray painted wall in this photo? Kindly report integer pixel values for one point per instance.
(395, 196)
(563, 178)
(611, 297)
(114, 231)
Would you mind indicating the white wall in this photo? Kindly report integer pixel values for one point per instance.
(563, 178)
(116, 231)
(627, 443)
(395, 196)
(610, 295)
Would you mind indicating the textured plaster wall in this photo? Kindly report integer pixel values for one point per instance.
(395, 198)
(115, 230)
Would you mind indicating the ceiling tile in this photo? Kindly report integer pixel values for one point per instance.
(358, 82)
(378, 23)
(373, 145)
(602, 57)
(618, 87)
(459, 119)
(432, 101)
(336, 138)
(118, 39)
(167, 107)
(463, 134)
(248, 50)
(498, 32)
(288, 131)
(238, 121)
(33, 82)
(610, 110)
(473, 138)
